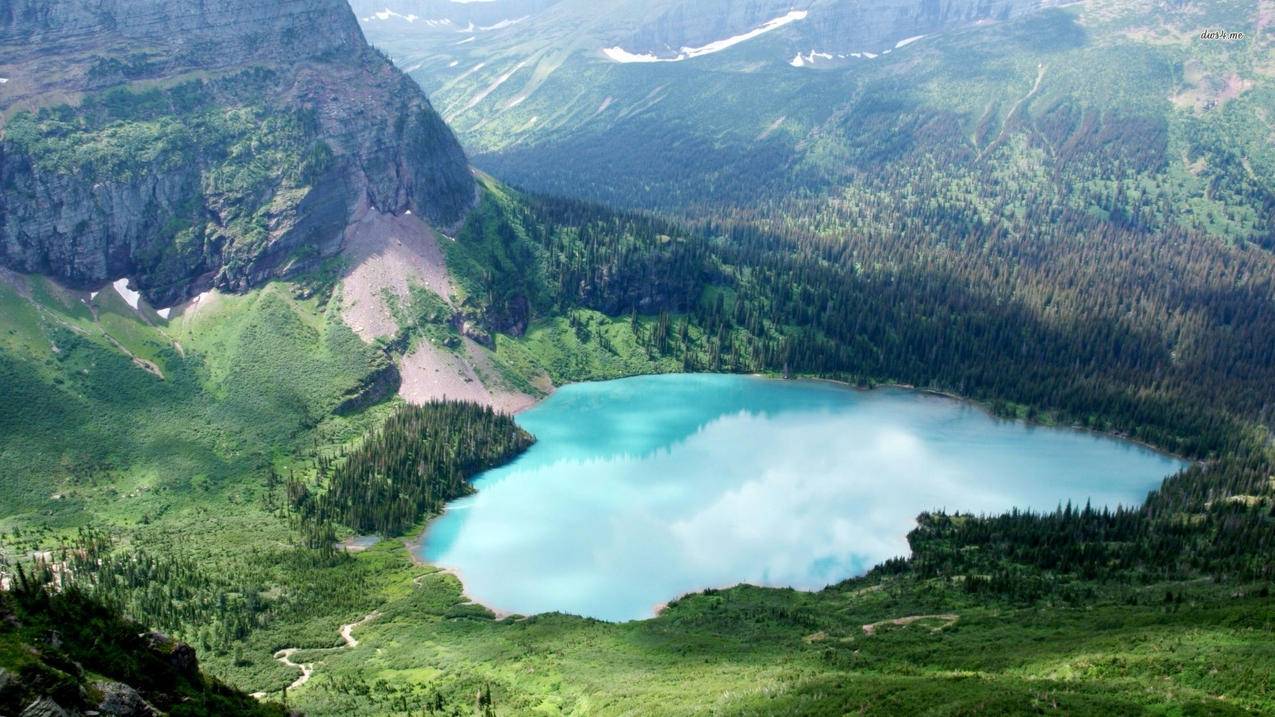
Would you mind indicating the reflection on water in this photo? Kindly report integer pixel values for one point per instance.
(644, 489)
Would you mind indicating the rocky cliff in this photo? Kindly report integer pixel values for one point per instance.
(63, 654)
(212, 143)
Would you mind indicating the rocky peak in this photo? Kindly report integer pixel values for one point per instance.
(219, 142)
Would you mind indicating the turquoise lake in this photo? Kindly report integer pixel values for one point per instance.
(641, 490)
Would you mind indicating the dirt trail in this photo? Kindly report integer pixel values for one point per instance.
(285, 657)
(307, 668)
(147, 366)
(347, 631)
(948, 618)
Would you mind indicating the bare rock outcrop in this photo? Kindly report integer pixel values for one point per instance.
(218, 143)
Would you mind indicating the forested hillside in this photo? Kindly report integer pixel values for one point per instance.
(1157, 356)
(421, 458)
(60, 651)
(1065, 213)
(1125, 112)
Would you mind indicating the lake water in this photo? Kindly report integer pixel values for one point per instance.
(644, 489)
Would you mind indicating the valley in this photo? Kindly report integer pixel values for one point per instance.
(264, 333)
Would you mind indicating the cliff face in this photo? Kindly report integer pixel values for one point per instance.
(218, 142)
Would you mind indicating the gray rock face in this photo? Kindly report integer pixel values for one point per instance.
(179, 655)
(120, 700)
(43, 707)
(306, 60)
(458, 14)
(185, 35)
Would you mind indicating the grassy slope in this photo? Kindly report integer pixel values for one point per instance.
(252, 374)
(176, 466)
(754, 651)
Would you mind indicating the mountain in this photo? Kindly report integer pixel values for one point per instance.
(757, 110)
(189, 146)
(660, 29)
(1030, 208)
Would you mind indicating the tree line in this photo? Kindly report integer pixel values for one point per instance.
(422, 457)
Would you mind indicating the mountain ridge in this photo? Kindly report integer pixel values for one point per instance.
(220, 157)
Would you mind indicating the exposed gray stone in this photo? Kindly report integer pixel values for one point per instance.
(120, 700)
(43, 707)
(310, 55)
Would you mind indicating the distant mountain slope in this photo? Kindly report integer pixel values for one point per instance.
(1119, 110)
(215, 144)
(662, 27)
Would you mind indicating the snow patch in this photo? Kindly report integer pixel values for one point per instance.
(802, 60)
(130, 296)
(453, 63)
(503, 24)
(165, 313)
(908, 41)
(471, 71)
(619, 54)
(387, 14)
(4, 80)
(473, 102)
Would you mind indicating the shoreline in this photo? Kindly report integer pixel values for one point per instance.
(980, 405)
(983, 406)
(416, 543)
(470, 599)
